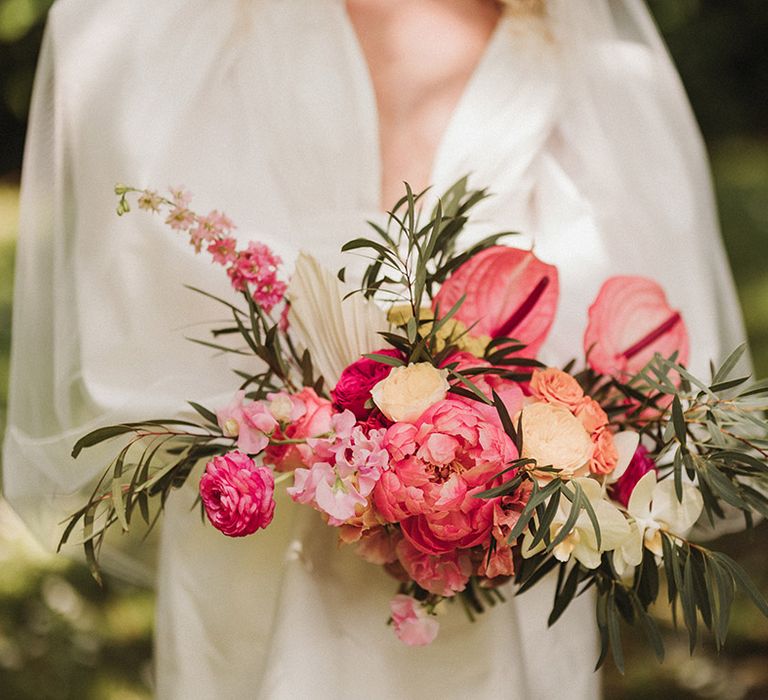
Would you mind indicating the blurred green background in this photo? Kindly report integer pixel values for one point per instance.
(61, 636)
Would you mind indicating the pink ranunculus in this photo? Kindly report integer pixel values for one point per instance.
(641, 464)
(555, 386)
(310, 418)
(238, 496)
(630, 321)
(438, 463)
(413, 625)
(353, 389)
(444, 574)
(509, 293)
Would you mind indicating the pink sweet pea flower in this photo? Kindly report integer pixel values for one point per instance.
(347, 469)
(509, 293)
(413, 625)
(251, 424)
(630, 321)
(237, 495)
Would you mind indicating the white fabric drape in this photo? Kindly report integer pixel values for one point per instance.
(264, 108)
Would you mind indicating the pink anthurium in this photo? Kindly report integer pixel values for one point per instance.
(630, 321)
(509, 293)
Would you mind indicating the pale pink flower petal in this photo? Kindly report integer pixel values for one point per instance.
(629, 321)
(413, 625)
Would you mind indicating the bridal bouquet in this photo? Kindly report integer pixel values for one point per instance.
(411, 412)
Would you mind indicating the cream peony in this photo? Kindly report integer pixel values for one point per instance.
(406, 392)
(553, 436)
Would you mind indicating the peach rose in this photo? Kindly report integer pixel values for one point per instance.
(591, 415)
(555, 386)
(406, 392)
(553, 436)
(605, 456)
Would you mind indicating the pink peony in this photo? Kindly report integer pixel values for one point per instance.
(413, 625)
(444, 574)
(509, 293)
(438, 464)
(641, 464)
(353, 389)
(510, 392)
(237, 495)
(630, 321)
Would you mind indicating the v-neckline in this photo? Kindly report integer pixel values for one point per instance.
(373, 123)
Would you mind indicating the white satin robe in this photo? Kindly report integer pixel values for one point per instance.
(265, 109)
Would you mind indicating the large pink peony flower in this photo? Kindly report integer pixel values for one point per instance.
(353, 389)
(413, 625)
(509, 293)
(438, 464)
(444, 574)
(237, 495)
(630, 321)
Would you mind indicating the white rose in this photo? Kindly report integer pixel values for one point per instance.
(406, 392)
(553, 436)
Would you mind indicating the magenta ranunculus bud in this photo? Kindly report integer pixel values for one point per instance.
(353, 389)
(238, 495)
(640, 465)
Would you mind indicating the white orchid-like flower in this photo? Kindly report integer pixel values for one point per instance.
(654, 508)
(581, 541)
(626, 443)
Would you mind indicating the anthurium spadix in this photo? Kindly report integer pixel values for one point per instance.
(654, 507)
(338, 330)
(508, 293)
(581, 542)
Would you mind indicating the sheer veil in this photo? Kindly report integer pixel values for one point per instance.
(629, 130)
(626, 135)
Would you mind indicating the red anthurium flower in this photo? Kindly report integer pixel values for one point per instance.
(509, 293)
(629, 322)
